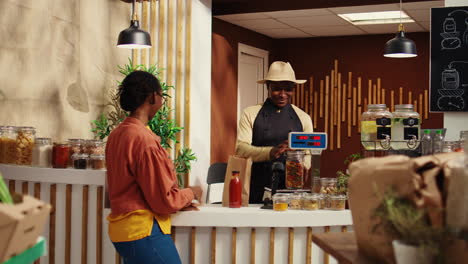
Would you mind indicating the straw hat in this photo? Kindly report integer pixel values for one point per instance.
(281, 71)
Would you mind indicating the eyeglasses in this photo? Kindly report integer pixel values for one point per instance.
(277, 87)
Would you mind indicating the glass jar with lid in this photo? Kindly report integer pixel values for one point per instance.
(295, 201)
(406, 126)
(8, 144)
(42, 153)
(280, 201)
(24, 145)
(337, 202)
(295, 169)
(463, 139)
(311, 201)
(97, 161)
(376, 127)
(60, 155)
(80, 161)
(328, 185)
(77, 145)
(94, 146)
(316, 184)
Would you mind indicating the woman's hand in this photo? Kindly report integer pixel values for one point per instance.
(197, 192)
(191, 207)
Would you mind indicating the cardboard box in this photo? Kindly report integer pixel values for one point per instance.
(20, 225)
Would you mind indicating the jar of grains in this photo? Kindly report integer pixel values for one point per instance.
(97, 161)
(311, 201)
(295, 201)
(94, 146)
(7, 144)
(76, 146)
(24, 145)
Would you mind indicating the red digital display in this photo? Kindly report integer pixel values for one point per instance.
(302, 137)
(313, 144)
(315, 137)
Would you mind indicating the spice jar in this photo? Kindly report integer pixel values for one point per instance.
(280, 202)
(337, 202)
(24, 145)
(328, 186)
(60, 155)
(405, 127)
(376, 127)
(97, 162)
(311, 201)
(7, 144)
(76, 146)
(295, 201)
(295, 169)
(80, 161)
(94, 146)
(42, 153)
(316, 184)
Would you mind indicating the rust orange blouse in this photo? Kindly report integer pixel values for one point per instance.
(141, 182)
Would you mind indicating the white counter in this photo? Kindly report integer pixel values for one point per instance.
(253, 216)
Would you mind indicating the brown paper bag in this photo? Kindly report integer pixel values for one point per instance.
(412, 178)
(244, 166)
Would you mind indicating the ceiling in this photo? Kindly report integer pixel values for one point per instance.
(320, 22)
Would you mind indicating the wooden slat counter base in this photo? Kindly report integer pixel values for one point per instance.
(341, 246)
(252, 235)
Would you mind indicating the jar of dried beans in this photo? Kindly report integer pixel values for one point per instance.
(94, 146)
(97, 161)
(295, 169)
(76, 146)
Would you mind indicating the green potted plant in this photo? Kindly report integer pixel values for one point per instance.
(161, 124)
(342, 177)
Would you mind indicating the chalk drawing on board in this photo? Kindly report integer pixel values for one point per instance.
(452, 90)
(450, 36)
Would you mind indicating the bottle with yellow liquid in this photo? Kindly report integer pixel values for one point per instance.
(376, 127)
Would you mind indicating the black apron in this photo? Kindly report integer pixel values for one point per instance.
(271, 127)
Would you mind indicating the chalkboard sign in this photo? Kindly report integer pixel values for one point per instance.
(449, 59)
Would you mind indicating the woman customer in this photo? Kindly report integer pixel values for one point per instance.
(142, 184)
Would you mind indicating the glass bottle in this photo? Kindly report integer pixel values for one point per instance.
(438, 142)
(60, 155)
(376, 127)
(295, 201)
(405, 127)
(426, 143)
(311, 201)
(42, 153)
(235, 191)
(24, 145)
(463, 139)
(295, 169)
(76, 146)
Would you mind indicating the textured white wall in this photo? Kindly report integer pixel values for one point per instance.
(57, 62)
(200, 89)
(455, 122)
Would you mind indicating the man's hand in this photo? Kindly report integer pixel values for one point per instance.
(278, 150)
(197, 192)
(191, 207)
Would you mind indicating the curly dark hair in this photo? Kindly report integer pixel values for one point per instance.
(135, 88)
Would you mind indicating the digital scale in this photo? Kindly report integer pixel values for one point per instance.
(313, 141)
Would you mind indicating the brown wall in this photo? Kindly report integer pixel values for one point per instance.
(225, 41)
(361, 55)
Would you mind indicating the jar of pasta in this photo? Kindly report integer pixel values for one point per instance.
(295, 201)
(280, 202)
(42, 153)
(7, 144)
(24, 145)
(76, 146)
(97, 161)
(60, 155)
(295, 169)
(94, 146)
(311, 201)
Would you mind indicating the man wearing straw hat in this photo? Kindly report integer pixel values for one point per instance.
(263, 129)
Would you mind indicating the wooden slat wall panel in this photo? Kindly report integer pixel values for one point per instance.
(252, 245)
(326, 257)
(161, 33)
(144, 26)
(234, 245)
(179, 70)
(272, 245)
(321, 98)
(309, 246)
(153, 32)
(11, 186)
(37, 190)
(290, 245)
(213, 245)
(193, 240)
(327, 97)
(188, 54)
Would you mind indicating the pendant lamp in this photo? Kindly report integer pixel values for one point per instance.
(400, 46)
(134, 37)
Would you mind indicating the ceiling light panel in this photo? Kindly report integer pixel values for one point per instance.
(386, 17)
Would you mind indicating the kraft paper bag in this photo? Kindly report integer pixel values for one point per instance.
(417, 179)
(244, 166)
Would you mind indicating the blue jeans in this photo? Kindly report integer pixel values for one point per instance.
(157, 248)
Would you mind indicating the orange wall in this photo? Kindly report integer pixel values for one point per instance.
(361, 55)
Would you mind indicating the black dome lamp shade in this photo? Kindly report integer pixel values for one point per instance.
(133, 37)
(400, 46)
